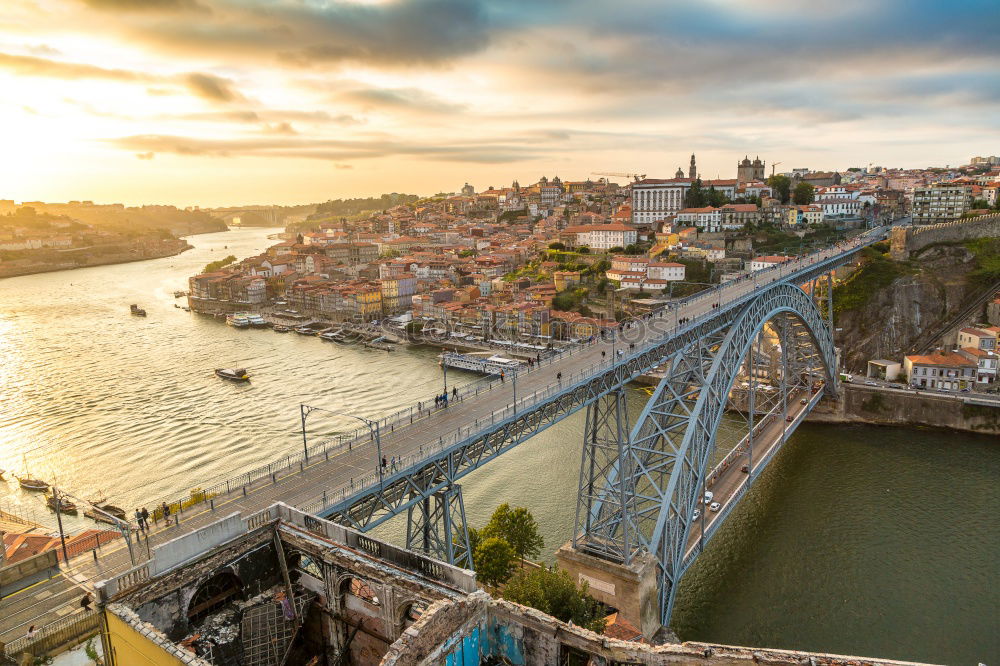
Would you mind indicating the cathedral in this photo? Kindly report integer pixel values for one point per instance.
(747, 171)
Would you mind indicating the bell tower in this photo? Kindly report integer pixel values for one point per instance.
(692, 170)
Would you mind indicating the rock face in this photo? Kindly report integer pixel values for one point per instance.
(893, 319)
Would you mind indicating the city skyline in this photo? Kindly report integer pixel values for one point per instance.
(216, 102)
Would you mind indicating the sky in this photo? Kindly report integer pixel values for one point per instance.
(226, 102)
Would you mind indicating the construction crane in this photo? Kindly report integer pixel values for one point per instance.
(617, 174)
(774, 164)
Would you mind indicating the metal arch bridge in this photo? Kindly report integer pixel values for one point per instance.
(639, 487)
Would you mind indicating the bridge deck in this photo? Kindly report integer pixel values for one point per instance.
(340, 470)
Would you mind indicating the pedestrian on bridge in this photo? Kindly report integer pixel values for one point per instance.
(454, 392)
(145, 518)
(501, 377)
(166, 514)
(437, 400)
(385, 463)
(138, 520)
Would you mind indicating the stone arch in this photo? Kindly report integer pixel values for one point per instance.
(218, 590)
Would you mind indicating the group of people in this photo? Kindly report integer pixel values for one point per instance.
(442, 400)
(392, 464)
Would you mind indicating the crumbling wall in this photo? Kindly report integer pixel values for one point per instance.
(165, 600)
(510, 633)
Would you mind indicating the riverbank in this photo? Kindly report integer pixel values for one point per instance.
(163, 248)
(874, 406)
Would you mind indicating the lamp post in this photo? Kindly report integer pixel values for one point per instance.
(373, 430)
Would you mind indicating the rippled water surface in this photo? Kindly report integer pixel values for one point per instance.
(858, 540)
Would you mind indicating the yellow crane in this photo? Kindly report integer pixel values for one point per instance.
(774, 164)
(617, 174)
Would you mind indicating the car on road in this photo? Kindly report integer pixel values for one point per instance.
(708, 496)
(871, 383)
(696, 515)
(714, 506)
(745, 469)
(803, 401)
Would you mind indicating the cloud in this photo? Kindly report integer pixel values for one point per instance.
(212, 88)
(406, 99)
(145, 156)
(145, 5)
(32, 66)
(283, 128)
(327, 149)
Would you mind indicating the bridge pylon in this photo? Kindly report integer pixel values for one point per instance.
(435, 525)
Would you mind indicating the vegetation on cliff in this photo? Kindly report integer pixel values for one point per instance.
(221, 263)
(987, 254)
(877, 272)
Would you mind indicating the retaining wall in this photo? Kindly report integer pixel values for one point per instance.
(906, 240)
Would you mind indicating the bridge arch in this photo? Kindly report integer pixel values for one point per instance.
(662, 467)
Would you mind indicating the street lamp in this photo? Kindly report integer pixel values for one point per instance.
(373, 430)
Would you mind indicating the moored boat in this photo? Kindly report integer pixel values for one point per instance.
(278, 328)
(238, 320)
(489, 365)
(65, 506)
(34, 485)
(136, 310)
(233, 374)
(257, 321)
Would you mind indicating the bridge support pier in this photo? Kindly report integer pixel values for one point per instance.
(436, 526)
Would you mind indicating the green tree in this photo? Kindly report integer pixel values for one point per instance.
(980, 203)
(552, 591)
(716, 198)
(583, 249)
(695, 196)
(494, 560)
(557, 246)
(781, 185)
(804, 194)
(216, 265)
(518, 528)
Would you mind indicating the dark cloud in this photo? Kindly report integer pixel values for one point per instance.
(327, 149)
(406, 99)
(211, 87)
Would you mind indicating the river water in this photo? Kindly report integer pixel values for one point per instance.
(857, 540)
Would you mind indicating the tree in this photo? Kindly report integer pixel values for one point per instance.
(695, 196)
(980, 203)
(583, 249)
(552, 591)
(804, 194)
(781, 186)
(518, 528)
(494, 560)
(557, 246)
(716, 198)
(216, 265)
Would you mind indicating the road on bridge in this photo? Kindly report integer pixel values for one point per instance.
(58, 597)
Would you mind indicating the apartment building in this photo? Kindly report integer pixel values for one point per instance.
(950, 371)
(940, 203)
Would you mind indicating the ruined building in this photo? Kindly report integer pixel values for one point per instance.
(283, 587)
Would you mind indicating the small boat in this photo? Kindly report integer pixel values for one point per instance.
(115, 511)
(65, 506)
(98, 499)
(35, 485)
(185, 308)
(278, 328)
(384, 346)
(305, 330)
(234, 374)
(136, 310)
(333, 336)
(180, 294)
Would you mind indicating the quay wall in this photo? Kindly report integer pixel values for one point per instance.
(865, 404)
(904, 241)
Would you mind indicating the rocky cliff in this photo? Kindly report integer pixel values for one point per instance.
(894, 304)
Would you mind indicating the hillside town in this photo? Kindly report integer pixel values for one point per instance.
(560, 261)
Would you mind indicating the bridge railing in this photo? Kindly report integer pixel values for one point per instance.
(407, 463)
(409, 415)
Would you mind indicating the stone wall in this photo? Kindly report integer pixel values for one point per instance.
(479, 629)
(906, 240)
(865, 404)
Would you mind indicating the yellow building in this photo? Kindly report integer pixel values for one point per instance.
(129, 645)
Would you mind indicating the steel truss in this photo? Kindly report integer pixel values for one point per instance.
(663, 461)
(436, 526)
(375, 504)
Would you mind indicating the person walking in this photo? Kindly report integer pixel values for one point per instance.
(145, 518)
(384, 462)
(501, 377)
(138, 520)
(454, 392)
(32, 632)
(166, 514)
(559, 377)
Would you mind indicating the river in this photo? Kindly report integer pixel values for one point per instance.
(857, 540)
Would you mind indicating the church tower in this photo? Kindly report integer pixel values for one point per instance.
(692, 170)
(680, 173)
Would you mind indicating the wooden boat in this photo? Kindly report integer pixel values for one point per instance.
(233, 374)
(136, 310)
(65, 505)
(34, 485)
(106, 514)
